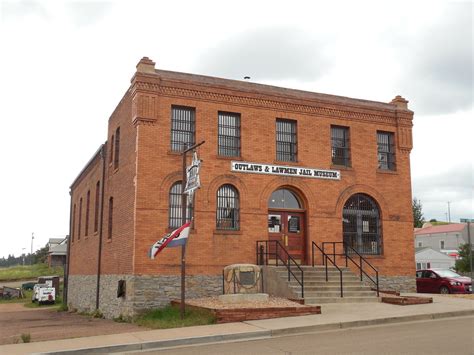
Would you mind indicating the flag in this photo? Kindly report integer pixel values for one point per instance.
(175, 238)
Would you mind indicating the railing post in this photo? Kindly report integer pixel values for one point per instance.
(334, 252)
(377, 276)
(276, 252)
(340, 272)
(302, 284)
(360, 266)
(288, 262)
(345, 253)
(312, 254)
(326, 261)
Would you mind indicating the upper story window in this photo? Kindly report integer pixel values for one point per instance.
(80, 220)
(286, 148)
(340, 148)
(183, 127)
(96, 208)
(386, 150)
(88, 201)
(111, 218)
(175, 219)
(111, 150)
(228, 208)
(229, 134)
(117, 148)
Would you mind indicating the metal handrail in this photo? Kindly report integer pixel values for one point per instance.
(325, 263)
(360, 266)
(262, 259)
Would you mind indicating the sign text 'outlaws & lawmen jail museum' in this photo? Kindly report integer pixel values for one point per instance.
(256, 168)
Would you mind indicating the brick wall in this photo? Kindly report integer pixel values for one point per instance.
(147, 169)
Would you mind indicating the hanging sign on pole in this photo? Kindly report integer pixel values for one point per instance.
(192, 175)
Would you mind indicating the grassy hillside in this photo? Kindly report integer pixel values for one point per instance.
(28, 272)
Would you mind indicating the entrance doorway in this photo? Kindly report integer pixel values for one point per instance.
(286, 223)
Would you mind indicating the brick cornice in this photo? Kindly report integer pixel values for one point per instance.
(321, 109)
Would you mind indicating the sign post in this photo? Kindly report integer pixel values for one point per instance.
(184, 207)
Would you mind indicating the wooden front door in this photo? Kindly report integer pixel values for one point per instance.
(288, 228)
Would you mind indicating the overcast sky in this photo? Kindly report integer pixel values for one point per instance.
(64, 66)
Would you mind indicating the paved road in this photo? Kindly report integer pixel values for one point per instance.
(444, 336)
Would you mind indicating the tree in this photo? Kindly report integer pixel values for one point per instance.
(462, 264)
(418, 219)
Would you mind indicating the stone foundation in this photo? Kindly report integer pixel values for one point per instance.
(394, 283)
(142, 293)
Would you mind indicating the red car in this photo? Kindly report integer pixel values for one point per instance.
(442, 281)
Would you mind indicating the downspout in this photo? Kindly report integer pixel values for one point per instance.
(66, 272)
(99, 258)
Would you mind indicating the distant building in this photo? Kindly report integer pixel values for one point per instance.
(57, 251)
(427, 258)
(446, 238)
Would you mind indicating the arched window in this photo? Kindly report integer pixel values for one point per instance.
(284, 198)
(79, 223)
(174, 216)
(111, 217)
(361, 224)
(228, 208)
(88, 202)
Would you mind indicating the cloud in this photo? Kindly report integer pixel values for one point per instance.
(10, 10)
(438, 62)
(455, 185)
(87, 13)
(277, 53)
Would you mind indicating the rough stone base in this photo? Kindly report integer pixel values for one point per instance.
(142, 293)
(395, 283)
(82, 292)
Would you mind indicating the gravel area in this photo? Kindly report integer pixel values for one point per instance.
(215, 303)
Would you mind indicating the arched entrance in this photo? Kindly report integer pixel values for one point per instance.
(286, 222)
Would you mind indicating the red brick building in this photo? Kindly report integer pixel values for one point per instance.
(283, 164)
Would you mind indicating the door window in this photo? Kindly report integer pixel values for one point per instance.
(294, 224)
(274, 223)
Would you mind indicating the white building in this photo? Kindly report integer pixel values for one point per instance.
(445, 238)
(427, 258)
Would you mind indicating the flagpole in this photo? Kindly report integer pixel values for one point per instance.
(184, 207)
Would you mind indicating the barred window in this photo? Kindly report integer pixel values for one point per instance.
(80, 220)
(183, 125)
(111, 217)
(286, 148)
(340, 148)
(117, 148)
(229, 134)
(96, 208)
(175, 215)
(362, 225)
(228, 208)
(111, 152)
(386, 150)
(88, 202)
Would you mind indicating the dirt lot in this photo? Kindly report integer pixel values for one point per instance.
(49, 324)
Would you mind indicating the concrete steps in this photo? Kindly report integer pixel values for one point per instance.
(317, 290)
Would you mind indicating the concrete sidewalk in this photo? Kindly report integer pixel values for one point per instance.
(334, 316)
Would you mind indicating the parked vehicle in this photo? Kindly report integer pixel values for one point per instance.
(43, 294)
(442, 281)
(28, 285)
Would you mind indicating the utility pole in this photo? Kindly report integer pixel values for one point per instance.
(32, 238)
(449, 212)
